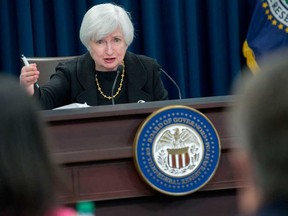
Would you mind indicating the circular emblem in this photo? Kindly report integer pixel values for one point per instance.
(176, 150)
(278, 10)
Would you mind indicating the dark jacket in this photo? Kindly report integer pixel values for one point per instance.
(277, 207)
(74, 82)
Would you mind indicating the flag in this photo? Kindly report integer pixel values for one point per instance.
(268, 31)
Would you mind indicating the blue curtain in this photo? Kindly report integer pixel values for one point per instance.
(197, 42)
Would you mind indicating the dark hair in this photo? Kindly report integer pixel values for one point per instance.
(27, 175)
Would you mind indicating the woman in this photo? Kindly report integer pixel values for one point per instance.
(28, 179)
(106, 31)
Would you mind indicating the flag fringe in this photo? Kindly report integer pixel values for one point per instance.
(250, 58)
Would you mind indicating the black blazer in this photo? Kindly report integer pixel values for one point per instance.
(74, 82)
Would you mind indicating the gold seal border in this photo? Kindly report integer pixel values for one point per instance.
(136, 139)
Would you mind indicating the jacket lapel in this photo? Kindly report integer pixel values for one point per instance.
(86, 77)
(136, 78)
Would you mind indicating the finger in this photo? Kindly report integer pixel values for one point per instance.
(30, 80)
(29, 73)
(29, 76)
(29, 68)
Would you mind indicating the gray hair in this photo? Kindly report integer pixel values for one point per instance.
(101, 20)
(261, 121)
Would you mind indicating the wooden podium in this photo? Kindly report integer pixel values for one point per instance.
(95, 147)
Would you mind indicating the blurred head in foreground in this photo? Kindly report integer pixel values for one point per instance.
(260, 121)
(27, 175)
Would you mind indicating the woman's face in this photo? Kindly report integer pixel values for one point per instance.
(108, 52)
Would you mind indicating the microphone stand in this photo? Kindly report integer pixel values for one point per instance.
(179, 92)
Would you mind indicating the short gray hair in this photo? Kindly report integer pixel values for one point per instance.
(101, 20)
(261, 120)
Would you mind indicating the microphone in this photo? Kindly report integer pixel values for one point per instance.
(179, 92)
(119, 70)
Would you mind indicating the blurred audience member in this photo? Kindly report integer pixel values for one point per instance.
(260, 120)
(28, 178)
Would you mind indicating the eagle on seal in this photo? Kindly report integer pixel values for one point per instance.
(178, 139)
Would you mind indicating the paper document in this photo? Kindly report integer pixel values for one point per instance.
(72, 106)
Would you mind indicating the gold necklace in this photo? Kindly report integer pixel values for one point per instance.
(118, 90)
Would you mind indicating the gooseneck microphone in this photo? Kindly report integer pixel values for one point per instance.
(119, 70)
(179, 92)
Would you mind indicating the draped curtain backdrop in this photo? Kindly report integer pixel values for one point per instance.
(197, 42)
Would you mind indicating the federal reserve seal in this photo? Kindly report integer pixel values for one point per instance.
(277, 12)
(176, 150)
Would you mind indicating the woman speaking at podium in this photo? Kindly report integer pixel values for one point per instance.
(107, 73)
